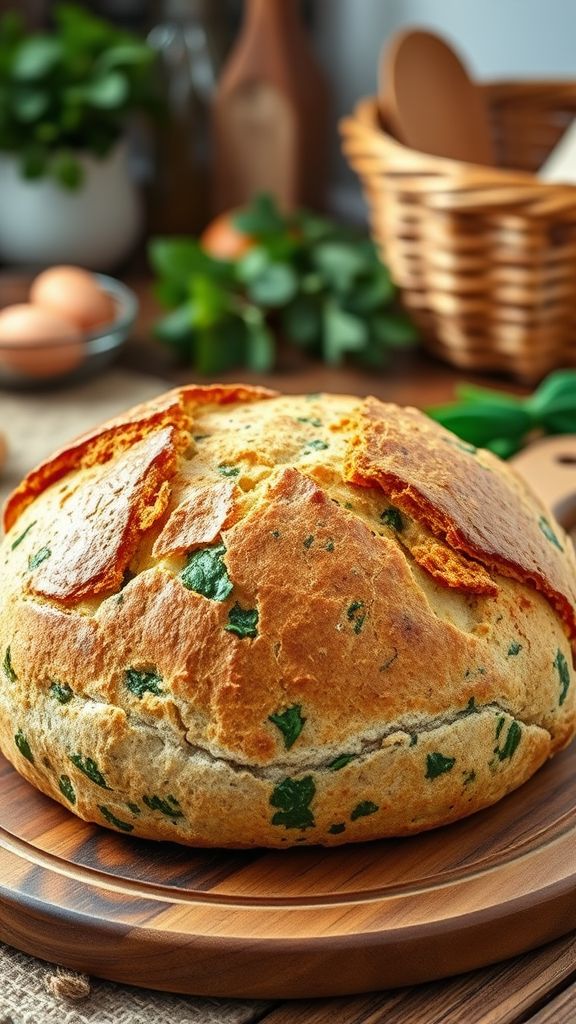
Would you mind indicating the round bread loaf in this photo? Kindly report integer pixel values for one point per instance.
(233, 618)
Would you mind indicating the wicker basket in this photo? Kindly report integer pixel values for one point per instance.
(485, 257)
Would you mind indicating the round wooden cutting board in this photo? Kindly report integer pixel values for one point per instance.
(305, 922)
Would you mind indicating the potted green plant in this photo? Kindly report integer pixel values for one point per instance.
(66, 194)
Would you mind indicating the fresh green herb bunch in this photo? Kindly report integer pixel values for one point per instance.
(69, 91)
(504, 422)
(311, 281)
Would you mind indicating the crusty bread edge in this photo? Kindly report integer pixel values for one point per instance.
(220, 803)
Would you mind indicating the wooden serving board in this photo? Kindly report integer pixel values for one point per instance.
(305, 922)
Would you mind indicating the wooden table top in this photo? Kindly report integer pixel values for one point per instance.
(537, 988)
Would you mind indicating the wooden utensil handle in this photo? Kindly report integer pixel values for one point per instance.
(549, 466)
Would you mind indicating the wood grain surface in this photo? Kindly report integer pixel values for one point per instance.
(526, 990)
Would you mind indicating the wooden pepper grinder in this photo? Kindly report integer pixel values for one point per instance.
(270, 113)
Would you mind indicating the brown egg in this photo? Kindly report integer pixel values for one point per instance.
(74, 294)
(38, 343)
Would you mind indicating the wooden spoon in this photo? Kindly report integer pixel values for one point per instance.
(429, 101)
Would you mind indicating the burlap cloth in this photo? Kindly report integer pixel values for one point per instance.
(32, 992)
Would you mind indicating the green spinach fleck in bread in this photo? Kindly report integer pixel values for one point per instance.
(233, 618)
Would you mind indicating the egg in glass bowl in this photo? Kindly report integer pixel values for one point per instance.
(71, 324)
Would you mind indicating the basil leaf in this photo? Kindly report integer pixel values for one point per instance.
(261, 218)
(504, 447)
(342, 333)
(23, 746)
(252, 264)
(220, 346)
(356, 614)
(36, 57)
(33, 161)
(362, 809)
(108, 92)
(394, 330)
(341, 761)
(549, 533)
(16, 543)
(514, 648)
(35, 560)
(315, 445)
(111, 818)
(471, 394)
(480, 424)
(513, 737)
(242, 621)
(555, 397)
(373, 294)
(170, 806)
(178, 259)
(7, 666)
(67, 171)
(66, 788)
(176, 327)
(561, 666)
(437, 764)
(61, 692)
(139, 682)
(209, 301)
(290, 722)
(293, 797)
(472, 707)
(340, 263)
(89, 768)
(274, 287)
(124, 55)
(226, 470)
(206, 573)
(392, 517)
(301, 321)
(260, 347)
(29, 105)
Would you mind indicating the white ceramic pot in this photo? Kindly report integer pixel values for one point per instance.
(95, 226)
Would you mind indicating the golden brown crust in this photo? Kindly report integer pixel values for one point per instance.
(449, 568)
(96, 447)
(105, 518)
(475, 508)
(280, 663)
(225, 394)
(196, 521)
(114, 436)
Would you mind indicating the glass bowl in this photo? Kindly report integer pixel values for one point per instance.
(28, 366)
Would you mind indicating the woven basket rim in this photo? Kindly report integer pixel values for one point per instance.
(366, 119)
(442, 224)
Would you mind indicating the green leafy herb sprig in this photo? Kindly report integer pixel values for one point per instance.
(503, 422)
(305, 278)
(69, 91)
